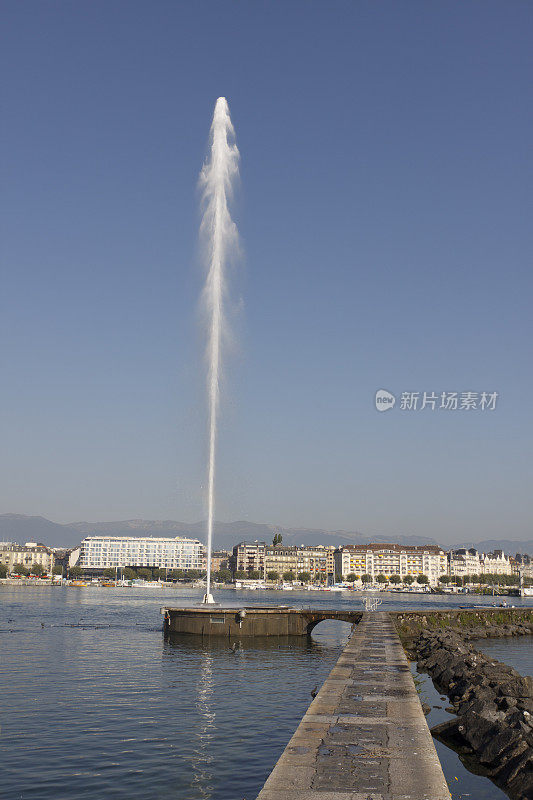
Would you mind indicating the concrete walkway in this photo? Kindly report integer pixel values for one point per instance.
(364, 736)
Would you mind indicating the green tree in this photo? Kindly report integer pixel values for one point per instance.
(395, 579)
(273, 575)
(196, 574)
(408, 579)
(289, 576)
(366, 578)
(3, 571)
(351, 577)
(223, 576)
(128, 574)
(422, 579)
(381, 578)
(57, 570)
(444, 579)
(240, 574)
(277, 540)
(254, 574)
(109, 572)
(145, 573)
(304, 577)
(36, 570)
(75, 572)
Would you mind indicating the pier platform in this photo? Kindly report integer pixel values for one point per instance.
(245, 621)
(364, 736)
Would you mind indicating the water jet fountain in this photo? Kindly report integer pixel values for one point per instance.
(220, 237)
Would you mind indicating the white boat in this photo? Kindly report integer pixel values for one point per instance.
(140, 584)
(249, 584)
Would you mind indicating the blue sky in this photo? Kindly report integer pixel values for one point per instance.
(384, 212)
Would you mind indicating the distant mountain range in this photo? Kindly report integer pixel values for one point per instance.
(20, 528)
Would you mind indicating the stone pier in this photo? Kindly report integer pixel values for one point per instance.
(364, 736)
(237, 623)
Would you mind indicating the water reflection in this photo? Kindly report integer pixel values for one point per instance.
(203, 758)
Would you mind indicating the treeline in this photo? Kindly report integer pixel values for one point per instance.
(484, 579)
(151, 574)
(155, 574)
(21, 569)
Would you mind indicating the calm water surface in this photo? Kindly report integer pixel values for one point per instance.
(96, 703)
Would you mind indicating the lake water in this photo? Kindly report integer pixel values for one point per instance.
(96, 703)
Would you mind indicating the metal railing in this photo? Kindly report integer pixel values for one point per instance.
(372, 603)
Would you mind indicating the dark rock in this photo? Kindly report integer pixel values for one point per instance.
(494, 703)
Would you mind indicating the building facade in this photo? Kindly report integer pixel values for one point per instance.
(263, 558)
(464, 562)
(220, 559)
(496, 563)
(522, 564)
(281, 559)
(391, 559)
(249, 557)
(29, 555)
(100, 552)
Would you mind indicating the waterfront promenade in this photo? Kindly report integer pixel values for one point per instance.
(364, 736)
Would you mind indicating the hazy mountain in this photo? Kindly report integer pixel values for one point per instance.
(509, 546)
(20, 528)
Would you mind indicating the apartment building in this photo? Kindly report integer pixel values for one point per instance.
(463, 562)
(496, 563)
(391, 559)
(249, 557)
(522, 564)
(220, 559)
(281, 559)
(260, 557)
(29, 555)
(100, 552)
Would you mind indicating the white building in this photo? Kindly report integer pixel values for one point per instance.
(29, 555)
(99, 552)
(392, 559)
(465, 562)
(496, 563)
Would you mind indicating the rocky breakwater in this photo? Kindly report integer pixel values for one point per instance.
(494, 707)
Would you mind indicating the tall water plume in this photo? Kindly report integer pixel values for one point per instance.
(220, 238)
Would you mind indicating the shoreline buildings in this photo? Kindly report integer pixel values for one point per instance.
(464, 563)
(321, 564)
(262, 558)
(391, 559)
